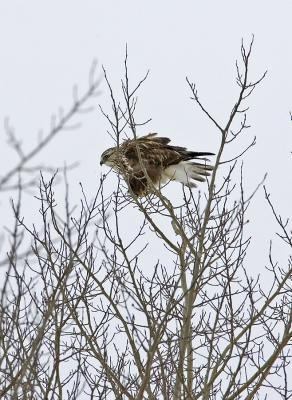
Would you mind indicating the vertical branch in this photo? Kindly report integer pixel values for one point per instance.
(245, 90)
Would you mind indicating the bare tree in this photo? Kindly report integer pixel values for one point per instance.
(84, 315)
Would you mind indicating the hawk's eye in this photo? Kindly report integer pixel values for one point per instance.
(106, 156)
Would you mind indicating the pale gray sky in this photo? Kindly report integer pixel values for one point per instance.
(46, 47)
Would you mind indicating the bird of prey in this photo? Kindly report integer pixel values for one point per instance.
(150, 161)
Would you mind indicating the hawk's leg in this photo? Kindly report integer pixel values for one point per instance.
(138, 185)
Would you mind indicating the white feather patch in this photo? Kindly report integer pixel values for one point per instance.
(186, 173)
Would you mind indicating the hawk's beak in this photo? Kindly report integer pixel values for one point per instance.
(101, 162)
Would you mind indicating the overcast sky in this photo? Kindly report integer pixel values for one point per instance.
(46, 47)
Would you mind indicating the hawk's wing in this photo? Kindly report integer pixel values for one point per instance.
(154, 152)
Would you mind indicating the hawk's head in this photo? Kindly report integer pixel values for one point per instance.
(110, 157)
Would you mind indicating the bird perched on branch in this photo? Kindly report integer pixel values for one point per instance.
(150, 161)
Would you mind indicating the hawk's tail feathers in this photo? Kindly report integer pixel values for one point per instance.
(188, 173)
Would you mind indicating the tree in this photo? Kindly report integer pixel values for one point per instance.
(84, 315)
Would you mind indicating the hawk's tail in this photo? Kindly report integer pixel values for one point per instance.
(189, 173)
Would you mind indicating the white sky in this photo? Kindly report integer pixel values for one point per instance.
(46, 47)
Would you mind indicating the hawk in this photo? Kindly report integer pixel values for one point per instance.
(150, 160)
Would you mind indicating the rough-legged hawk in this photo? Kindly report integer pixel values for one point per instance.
(161, 162)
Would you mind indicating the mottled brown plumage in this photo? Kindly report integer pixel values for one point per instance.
(161, 162)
